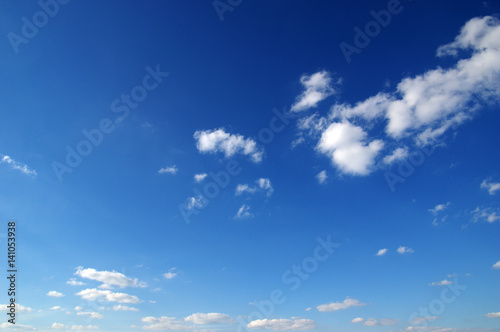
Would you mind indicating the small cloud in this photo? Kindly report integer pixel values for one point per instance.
(334, 306)
(169, 169)
(262, 185)
(16, 165)
(77, 308)
(423, 319)
(375, 322)
(487, 214)
(200, 177)
(405, 250)
(208, 319)
(439, 207)
(397, 155)
(444, 282)
(74, 282)
(492, 315)
(492, 187)
(381, 252)
(95, 315)
(243, 212)
(496, 265)
(56, 307)
(308, 309)
(170, 274)
(120, 307)
(317, 87)
(321, 177)
(54, 294)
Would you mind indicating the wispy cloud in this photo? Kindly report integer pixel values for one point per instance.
(17, 165)
(375, 322)
(492, 187)
(322, 177)
(405, 250)
(334, 306)
(440, 207)
(317, 88)
(381, 252)
(293, 324)
(200, 177)
(168, 169)
(243, 212)
(444, 282)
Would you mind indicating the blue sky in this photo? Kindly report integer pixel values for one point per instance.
(251, 165)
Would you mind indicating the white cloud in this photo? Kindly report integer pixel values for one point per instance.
(423, 319)
(19, 308)
(381, 252)
(321, 177)
(492, 187)
(405, 250)
(344, 143)
(55, 294)
(439, 207)
(297, 324)
(444, 282)
(59, 326)
(17, 326)
(109, 278)
(195, 202)
(168, 169)
(486, 214)
(262, 184)
(200, 177)
(93, 294)
(423, 107)
(334, 306)
(56, 307)
(375, 322)
(243, 212)
(95, 315)
(74, 282)
(397, 155)
(16, 165)
(496, 265)
(165, 323)
(217, 140)
(120, 307)
(493, 315)
(210, 318)
(170, 274)
(317, 87)
(77, 308)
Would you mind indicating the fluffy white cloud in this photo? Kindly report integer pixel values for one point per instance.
(77, 308)
(210, 318)
(74, 282)
(16, 165)
(294, 324)
(200, 177)
(165, 323)
(485, 214)
(55, 294)
(496, 265)
(170, 274)
(317, 87)
(243, 212)
(492, 187)
(444, 282)
(110, 278)
(405, 250)
(345, 144)
(397, 155)
(217, 140)
(95, 315)
(120, 307)
(334, 306)
(59, 326)
(321, 177)
(439, 207)
(493, 315)
(381, 252)
(93, 294)
(262, 184)
(375, 322)
(168, 169)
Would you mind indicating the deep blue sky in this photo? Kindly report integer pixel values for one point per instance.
(119, 214)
